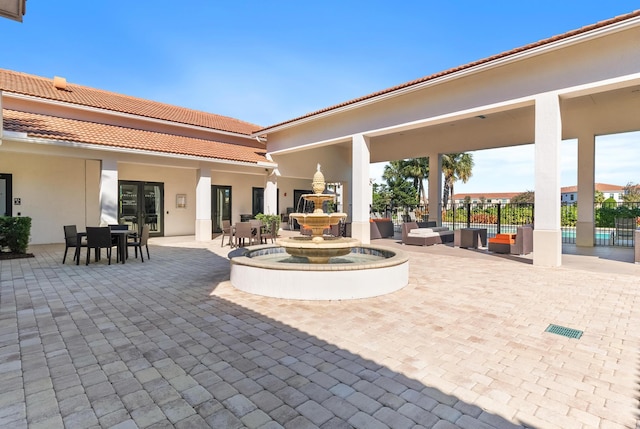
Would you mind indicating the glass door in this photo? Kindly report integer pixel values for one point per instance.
(220, 206)
(6, 205)
(141, 203)
(257, 201)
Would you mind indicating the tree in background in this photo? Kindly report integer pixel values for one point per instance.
(400, 187)
(525, 197)
(417, 169)
(631, 193)
(598, 197)
(455, 166)
(381, 198)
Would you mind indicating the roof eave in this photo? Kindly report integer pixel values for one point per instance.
(47, 101)
(20, 137)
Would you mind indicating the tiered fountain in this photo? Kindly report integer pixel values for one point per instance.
(317, 248)
(318, 267)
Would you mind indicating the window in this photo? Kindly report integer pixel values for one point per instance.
(571, 197)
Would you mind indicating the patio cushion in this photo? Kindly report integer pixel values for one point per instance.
(503, 239)
(422, 233)
(428, 231)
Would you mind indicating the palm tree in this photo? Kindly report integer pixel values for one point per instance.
(402, 192)
(417, 169)
(393, 172)
(455, 166)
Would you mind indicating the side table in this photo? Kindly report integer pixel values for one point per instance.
(470, 238)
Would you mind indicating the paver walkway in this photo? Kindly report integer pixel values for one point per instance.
(170, 343)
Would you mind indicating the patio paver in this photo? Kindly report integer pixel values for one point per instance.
(170, 343)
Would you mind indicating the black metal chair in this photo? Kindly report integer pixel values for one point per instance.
(99, 237)
(137, 244)
(71, 240)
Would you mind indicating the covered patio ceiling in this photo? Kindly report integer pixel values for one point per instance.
(598, 112)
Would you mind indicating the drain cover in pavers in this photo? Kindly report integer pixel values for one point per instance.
(561, 330)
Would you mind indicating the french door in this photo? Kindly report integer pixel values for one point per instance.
(220, 206)
(142, 203)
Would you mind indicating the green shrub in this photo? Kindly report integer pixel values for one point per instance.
(14, 233)
(267, 219)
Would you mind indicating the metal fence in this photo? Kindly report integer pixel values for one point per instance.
(495, 217)
(614, 222)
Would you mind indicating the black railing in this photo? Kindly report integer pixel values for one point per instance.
(614, 222)
(495, 217)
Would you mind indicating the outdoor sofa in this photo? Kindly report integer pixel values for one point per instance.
(415, 234)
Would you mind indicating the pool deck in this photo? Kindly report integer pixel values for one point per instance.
(170, 343)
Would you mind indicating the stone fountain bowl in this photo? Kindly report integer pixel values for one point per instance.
(318, 250)
(366, 271)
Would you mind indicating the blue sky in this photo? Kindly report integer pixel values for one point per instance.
(266, 62)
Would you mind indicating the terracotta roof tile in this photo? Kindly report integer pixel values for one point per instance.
(26, 84)
(602, 187)
(466, 66)
(71, 130)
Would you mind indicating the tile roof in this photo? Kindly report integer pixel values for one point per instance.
(599, 187)
(502, 55)
(36, 86)
(71, 130)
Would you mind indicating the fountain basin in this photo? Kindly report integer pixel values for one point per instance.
(367, 271)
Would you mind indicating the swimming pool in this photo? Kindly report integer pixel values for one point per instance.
(601, 235)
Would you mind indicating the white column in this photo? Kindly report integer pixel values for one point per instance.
(271, 194)
(547, 236)
(585, 226)
(435, 188)
(361, 190)
(109, 192)
(203, 204)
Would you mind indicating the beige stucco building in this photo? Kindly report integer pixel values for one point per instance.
(76, 154)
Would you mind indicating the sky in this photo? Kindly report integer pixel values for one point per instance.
(265, 62)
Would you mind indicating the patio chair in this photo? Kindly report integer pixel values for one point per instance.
(256, 230)
(520, 243)
(99, 237)
(624, 230)
(226, 232)
(271, 232)
(242, 231)
(71, 240)
(137, 244)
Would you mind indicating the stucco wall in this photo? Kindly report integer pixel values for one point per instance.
(241, 190)
(177, 221)
(52, 192)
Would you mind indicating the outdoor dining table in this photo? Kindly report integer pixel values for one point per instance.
(120, 235)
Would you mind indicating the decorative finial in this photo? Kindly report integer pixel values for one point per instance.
(318, 184)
